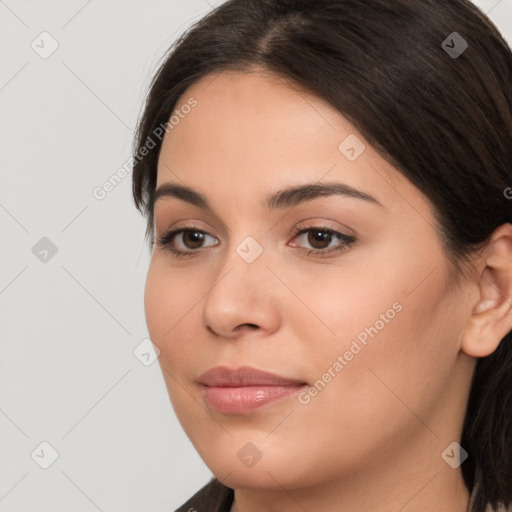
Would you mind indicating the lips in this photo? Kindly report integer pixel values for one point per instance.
(221, 376)
(245, 389)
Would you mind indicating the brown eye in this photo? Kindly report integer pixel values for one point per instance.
(184, 241)
(189, 241)
(192, 239)
(317, 238)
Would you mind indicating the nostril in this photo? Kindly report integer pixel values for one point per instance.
(240, 327)
(251, 326)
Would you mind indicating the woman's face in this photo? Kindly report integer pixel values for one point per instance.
(368, 327)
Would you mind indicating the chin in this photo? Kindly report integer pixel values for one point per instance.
(240, 468)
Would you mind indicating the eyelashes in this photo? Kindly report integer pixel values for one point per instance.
(166, 241)
(316, 235)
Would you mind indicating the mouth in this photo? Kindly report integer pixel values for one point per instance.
(245, 389)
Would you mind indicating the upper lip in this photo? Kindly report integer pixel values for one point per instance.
(222, 376)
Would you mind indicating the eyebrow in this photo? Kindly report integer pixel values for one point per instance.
(285, 198)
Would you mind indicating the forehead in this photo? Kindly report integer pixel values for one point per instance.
(252, 108)
(250, 129)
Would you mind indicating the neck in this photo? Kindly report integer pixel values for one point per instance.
(428, 484)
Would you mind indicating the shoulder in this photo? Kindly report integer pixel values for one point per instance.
(213, 497)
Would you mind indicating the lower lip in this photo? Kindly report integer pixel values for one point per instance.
(241, 400)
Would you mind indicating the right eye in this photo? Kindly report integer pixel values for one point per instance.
(191, 240)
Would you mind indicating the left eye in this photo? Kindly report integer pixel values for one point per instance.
(193, 238)
(318, 236)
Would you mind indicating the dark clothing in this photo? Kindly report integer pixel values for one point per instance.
(213, 497)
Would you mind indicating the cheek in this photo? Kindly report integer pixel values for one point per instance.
(335, 306)
(172, 305)
(394, 327)
(172, 321)
(156, 303)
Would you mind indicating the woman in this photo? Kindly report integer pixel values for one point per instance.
(328, 192)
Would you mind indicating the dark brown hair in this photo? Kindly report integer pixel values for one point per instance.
(443, 120)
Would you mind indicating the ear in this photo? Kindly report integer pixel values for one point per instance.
(491, 318)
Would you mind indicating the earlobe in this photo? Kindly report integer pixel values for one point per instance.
(491, 317)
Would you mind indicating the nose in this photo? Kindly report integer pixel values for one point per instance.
(244, 298)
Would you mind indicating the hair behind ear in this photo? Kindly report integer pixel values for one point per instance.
(488, 426)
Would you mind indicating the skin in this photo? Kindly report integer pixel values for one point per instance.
(372, 439)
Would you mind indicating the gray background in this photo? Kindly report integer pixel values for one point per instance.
(72, 320)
